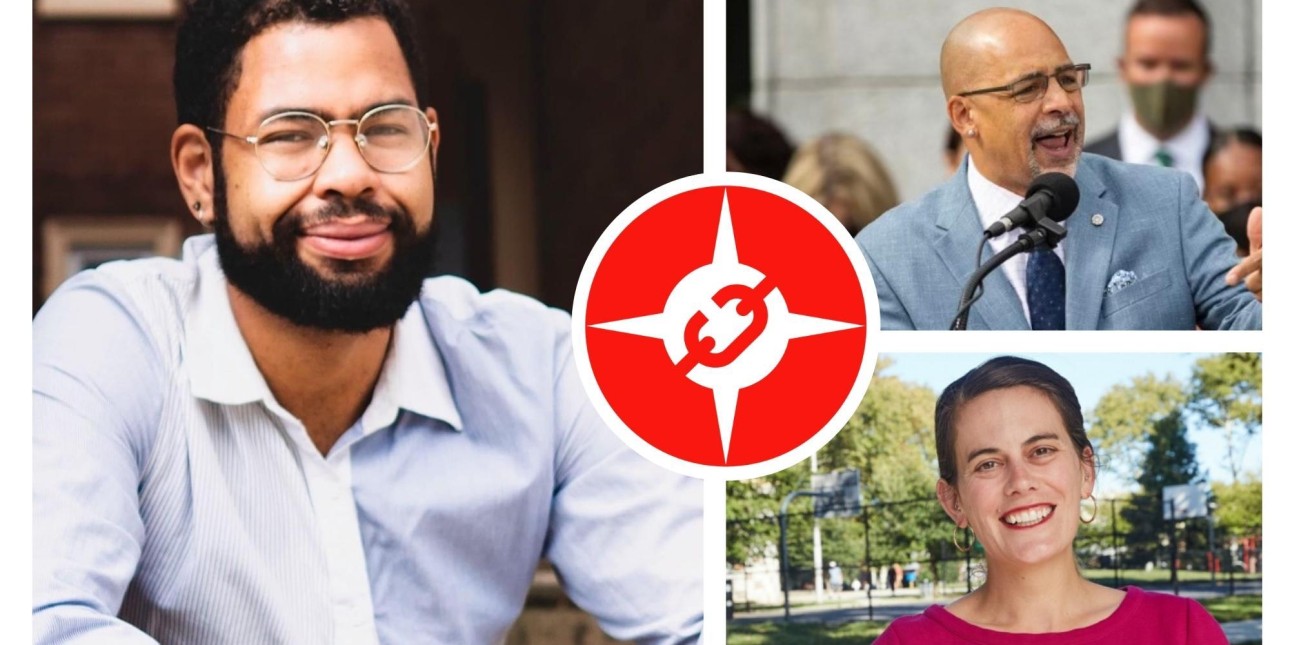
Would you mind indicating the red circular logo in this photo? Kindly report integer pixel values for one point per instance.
(722, 328)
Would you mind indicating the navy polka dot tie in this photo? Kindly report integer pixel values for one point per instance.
(1046, 290)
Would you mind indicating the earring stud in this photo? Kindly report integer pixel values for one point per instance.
(197, 206)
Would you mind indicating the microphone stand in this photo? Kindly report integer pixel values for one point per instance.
(1046, 232)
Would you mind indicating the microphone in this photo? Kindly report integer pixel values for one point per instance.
(1051, 199)
(1052, 195)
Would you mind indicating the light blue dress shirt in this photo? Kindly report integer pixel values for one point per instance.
(176, 501)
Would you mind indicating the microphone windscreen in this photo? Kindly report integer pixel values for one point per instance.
(1064, 191)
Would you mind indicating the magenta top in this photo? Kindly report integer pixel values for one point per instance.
(1143, 618)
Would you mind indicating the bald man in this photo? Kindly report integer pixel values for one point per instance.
(1142, 250)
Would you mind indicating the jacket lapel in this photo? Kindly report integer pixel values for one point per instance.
(1088, 250)
(960, 225)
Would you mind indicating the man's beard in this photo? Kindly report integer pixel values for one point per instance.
(275, 277)
(1070, 120)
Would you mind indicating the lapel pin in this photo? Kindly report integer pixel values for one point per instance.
(1098, 219)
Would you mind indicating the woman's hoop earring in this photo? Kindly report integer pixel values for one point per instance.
(966, 538)
(1090, 520)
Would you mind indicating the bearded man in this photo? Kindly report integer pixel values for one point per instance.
(291, 435)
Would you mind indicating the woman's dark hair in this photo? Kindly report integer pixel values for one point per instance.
(758, 143)
(213, 33)
(997, 374)
(1236, 136)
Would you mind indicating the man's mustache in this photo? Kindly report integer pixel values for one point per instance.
(295, 223)
(1043, 129)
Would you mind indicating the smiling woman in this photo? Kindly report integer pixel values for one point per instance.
(1015, 463)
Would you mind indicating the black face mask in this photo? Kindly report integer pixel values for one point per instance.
(1235, 222)
(274, 276)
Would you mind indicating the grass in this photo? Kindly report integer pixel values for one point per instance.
(1158, 577)
(859, 633)
(1233, 608)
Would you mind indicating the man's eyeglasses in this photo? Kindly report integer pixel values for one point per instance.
(1070, 78)
(293, 145)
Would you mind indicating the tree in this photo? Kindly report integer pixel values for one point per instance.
(1170, 460)
(1239, 506)
(890, 440)
(752, 514)
(1227, 393)
(1122, 422)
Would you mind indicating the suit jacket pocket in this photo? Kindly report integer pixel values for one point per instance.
(1137, 292)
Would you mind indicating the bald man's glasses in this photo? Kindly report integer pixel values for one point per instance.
(1025, 90)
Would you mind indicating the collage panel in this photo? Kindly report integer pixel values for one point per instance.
(921, 124)
(302, 369)
(974, 497)
(554, 321)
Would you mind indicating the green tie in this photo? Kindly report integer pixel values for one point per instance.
(1165, 159)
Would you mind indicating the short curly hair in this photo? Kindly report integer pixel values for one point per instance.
(213, 34)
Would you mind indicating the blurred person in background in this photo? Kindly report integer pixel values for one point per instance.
(1164, 68)
(1234, 170)
(755, 144)
(954, 151)
(1234, 181)
(846, 176)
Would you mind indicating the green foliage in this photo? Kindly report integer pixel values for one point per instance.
(1227, 393)
(1240, 506)
(1170, 460)
(1122, 421)
(752, 511)
(1226, 609)
(890, 440)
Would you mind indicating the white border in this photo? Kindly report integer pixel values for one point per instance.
(714, 161)
(867, 362)
(15, 466)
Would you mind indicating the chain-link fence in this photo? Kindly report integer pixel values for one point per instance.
(909, 550)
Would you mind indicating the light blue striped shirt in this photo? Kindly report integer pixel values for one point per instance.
(175, 501)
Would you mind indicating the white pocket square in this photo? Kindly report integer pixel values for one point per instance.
(1120, 280)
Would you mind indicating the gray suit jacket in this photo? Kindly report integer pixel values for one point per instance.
(1167, 252)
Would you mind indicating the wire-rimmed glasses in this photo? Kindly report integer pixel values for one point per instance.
(1029, 88)
(294, 145)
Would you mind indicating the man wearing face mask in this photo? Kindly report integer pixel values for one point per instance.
(1164, 66)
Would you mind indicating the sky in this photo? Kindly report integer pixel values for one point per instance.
(1092, 375)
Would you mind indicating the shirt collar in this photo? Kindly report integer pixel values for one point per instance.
(222, 370)
(1187, 147)
(413, 378)
(219, 364)
(992, 200)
